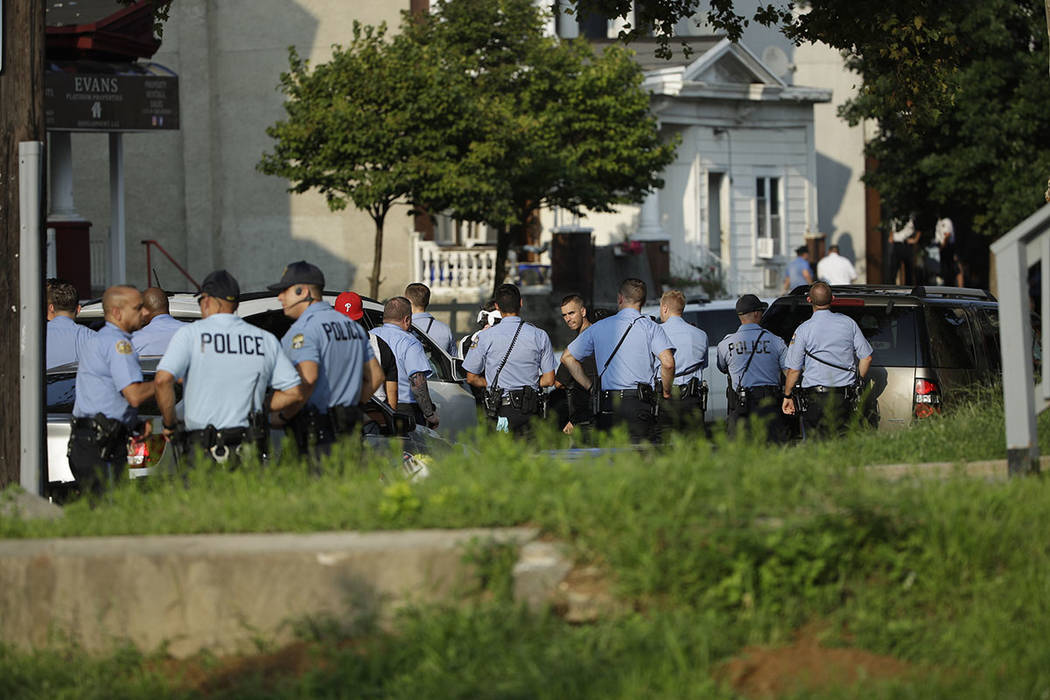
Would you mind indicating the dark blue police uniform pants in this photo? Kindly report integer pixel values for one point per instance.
(827, 414)
(632, 411)
(91, 472)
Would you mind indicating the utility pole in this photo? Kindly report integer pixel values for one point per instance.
(21, 119)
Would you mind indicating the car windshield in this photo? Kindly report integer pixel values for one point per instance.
(891, 329)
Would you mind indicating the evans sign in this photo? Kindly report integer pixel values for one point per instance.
(84, 102)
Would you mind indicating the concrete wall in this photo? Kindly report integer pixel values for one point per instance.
(197, 190)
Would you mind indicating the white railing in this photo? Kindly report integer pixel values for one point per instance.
(99, 254)
(452, 268)
(1027, 244)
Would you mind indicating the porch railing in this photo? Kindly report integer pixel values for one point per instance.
(1027, 244)
(452, 268)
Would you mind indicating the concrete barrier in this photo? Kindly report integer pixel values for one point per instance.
(224, 592)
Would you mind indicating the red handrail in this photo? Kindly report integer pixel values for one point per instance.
(149, 266)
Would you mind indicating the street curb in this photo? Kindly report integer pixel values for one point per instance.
(995, 469)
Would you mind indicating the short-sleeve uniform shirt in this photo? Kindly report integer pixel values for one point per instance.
(633, 363)
(690, 355)
(339, 347)
(530, 357)
(153, 338)
(409, 355)
(765, 352)
(436, 330)
(227, 365)
(66, 341)
(824, 340)
(795, 269)
(109, 364)
(387, 362)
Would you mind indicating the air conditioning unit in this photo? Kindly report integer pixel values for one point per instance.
(766, 247)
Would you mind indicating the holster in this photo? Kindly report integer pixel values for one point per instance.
(646, 393)
(305, 428)
(702, 394)
(258, 432)
(345, 419)
(530, 401)
(493, 400)
(111, 438)
(801, 401)
(741, 402)
(596, 398)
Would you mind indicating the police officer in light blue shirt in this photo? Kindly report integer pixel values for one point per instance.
(419, 295)
(153, 338)
(753, 359)
(624, 346)
(832, 355)
(227, 366)
(688, 400)
(413, 367)
(512, 361)
(66, 339)
(798, 271)
(109, 389)
(332, 355)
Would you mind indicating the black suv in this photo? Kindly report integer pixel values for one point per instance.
(927, 342)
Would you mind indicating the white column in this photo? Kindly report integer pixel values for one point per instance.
(61, 177)
(117, 236)
(649, 228)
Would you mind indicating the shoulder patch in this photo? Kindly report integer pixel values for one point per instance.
(124, 347)
(474, 343)
(298, 341)
(792, 339)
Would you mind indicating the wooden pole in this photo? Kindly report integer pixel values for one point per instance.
(21, 119)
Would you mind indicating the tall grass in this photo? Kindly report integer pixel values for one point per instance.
(714, 546)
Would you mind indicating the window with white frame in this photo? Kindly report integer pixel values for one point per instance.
(768, 216)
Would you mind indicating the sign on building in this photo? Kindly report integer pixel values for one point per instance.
(117, 101)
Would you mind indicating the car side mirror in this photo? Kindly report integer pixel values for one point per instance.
(402, 424)
(458, 373)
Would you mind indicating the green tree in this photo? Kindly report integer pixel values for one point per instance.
(365, 127)
(556, 125)
(984, 162)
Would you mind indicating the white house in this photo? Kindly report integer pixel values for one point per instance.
(742, 192)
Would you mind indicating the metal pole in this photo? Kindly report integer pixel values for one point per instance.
(117, 242)
(31, 315)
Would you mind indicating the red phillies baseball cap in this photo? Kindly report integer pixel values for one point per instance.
(349, 303)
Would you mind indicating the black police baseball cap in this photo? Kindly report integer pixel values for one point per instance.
(221, 285)
(749, 303)
(300, 272)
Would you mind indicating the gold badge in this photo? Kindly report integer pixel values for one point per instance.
(298, 341)
(123, 347)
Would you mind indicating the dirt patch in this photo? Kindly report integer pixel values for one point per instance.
(760, 672)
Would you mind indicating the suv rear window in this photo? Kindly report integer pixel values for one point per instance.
(891, 330)
(951, 344)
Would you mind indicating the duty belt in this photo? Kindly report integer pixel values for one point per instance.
(767, 390)
(640, 394)
(212, 436)
(821, 389)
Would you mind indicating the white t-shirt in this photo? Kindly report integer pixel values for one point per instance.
(835, 269)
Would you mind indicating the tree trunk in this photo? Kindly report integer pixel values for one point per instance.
(377, 256)
(21, 119)
(499, 272)
(1048, 33)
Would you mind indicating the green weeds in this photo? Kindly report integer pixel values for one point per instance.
(713, 546)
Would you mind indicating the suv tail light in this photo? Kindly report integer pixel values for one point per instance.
(927, 400)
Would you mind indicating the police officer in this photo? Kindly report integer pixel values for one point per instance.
(512, 361)
(227, 366)
(350, 305)
(688, 400)
(419, 295)
(577, 410)
(753, 358)
(624, 346)
(833, 356)
(335, 362)
(154, 336)
(66, 339)
(109, 389)
(413, 368)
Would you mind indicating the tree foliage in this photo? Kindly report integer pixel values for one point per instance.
(916, 41)
(560, 126)
(366, 127)
(985, 161)
(472, 110)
